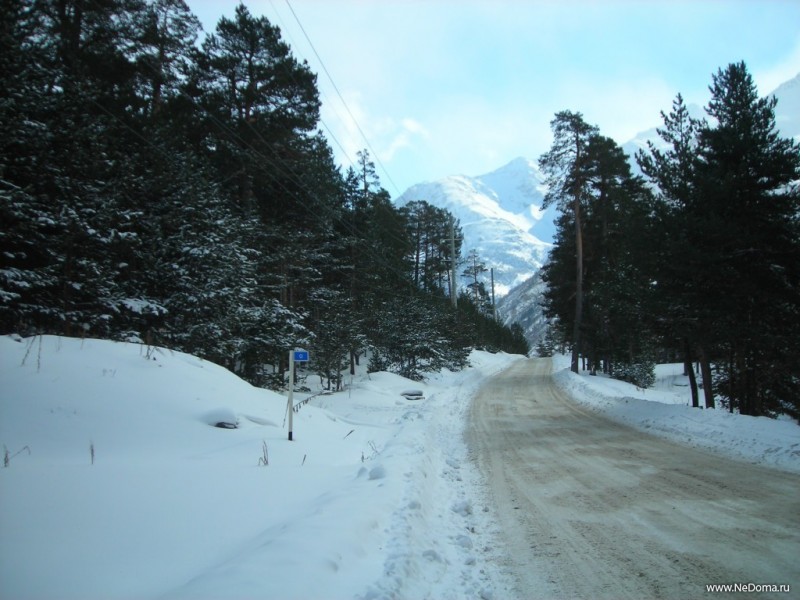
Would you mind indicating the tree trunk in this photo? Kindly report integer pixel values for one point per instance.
(705, 370)
(576, 330)
(687, 365)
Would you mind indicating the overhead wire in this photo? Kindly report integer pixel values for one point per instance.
(345, 153)
(344, 102)
(280, 168)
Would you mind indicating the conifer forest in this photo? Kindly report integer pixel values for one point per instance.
(698, 260)
(180, 193)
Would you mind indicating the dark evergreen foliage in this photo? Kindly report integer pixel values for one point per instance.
(706, 265)
(599, 286)
(154, 191)
(728, 198)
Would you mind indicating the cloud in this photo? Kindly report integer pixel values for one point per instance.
(353, 128)
(401, 136)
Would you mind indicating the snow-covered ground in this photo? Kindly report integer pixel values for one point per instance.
(665, 410)
(118, 485)
(374, 498)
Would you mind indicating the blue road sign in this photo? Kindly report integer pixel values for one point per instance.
(301, 356)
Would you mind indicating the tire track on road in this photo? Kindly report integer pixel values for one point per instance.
(591, 508)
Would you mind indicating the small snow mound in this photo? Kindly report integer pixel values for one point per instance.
(377, 472)
(432, 556)
(260, 421)
(224, 418)
(463, 508)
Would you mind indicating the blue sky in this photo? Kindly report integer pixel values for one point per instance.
(443, 87)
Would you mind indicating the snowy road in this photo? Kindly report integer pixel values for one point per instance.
(591, 508)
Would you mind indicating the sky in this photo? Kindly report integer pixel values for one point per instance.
(446, 87)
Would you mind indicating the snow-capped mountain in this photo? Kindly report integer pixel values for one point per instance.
(787, 120)
(523, 305)
(500, 215)
(787, 112)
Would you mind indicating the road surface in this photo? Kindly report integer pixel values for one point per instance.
(590, 508)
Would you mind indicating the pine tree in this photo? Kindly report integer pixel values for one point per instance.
(167, 35)
(257, 98)
(748, 206)
(615, 210)
(564, 167)
(474, 268)
(617, 237)
(429, 230)
(685, 322)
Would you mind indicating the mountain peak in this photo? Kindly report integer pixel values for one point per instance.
(500, 214)
(519, 167)
(787, 111)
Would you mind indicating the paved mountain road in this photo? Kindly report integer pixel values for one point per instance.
(590, 508)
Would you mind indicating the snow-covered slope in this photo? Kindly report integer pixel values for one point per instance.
(523, 305)
(787, 112)
(501, 217)
(118, 484)
(665, 411)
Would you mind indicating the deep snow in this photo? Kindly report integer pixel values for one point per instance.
(665, 410)
(376, 497)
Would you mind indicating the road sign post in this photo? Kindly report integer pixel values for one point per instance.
(294, 356)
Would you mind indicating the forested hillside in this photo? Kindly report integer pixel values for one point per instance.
(157, 189)
(698, 260)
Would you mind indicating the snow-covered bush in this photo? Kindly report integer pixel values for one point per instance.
(641, 374)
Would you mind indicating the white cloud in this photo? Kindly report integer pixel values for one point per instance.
(401, 136)
(415, 127)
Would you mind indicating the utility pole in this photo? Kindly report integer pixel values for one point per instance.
(453, 293)
(494, 307)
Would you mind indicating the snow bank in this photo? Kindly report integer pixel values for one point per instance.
(119, 484)
(666, 411)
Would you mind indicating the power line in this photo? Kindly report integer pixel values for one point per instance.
(279, 168)
(333, 106)
(338, 93)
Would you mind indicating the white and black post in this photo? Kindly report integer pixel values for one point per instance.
(291, 391)
(294, 356)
